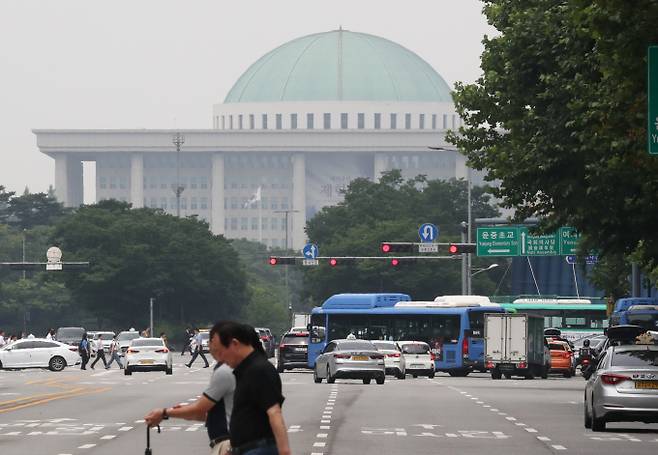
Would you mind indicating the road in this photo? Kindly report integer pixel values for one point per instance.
(99, 412)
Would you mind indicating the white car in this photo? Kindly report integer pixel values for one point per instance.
(394, 361)
(124, 338)
(107, 340)
(38, 353)
(418, 358)
(148, 354)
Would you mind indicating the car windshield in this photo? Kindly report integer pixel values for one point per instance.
(385, 346)
(105, 335)
(70, 332)
(356, 346)
(295, 339)
(416, 348)
(204, 335)
(557, 347)
(147, 342)
(635, 358)
(647, 320)
(127, 336)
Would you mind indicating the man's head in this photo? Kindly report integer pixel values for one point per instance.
(230, 342)
(100, 336)
(586, 343)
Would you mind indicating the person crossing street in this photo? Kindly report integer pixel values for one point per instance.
(84, 350)
(114, 354)
(100, 352)
(198, 350)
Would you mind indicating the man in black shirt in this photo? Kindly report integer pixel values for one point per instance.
(257, 426)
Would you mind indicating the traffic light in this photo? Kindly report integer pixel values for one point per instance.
(278, 260)
(397, 262)
(397, 247)
(333, 262)
(461, 248)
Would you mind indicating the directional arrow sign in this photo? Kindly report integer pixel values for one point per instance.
(568, 241)
(498, 241)
(310, 251)
(428, 232)
(538, 245)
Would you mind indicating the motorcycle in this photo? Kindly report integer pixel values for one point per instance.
(586, 368)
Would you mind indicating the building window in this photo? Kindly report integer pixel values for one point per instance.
(433, 121)
(254, 224)
(361, 121)
(407, 121)
(421, 121)
(394, 121)
(163, 203)
(327, 121)
(203, 182)
(244, 223)
(378, 121)
(264, 224)
(234, 224)
(275, 224)
(173, 203)
(284, 203)
(275, 203)
(193, 203)
(264, 121)
(193, 183)
(343, 121)
(113, 182)
(310, 121)
(293, 121)
(183, 203)
(445, 121)
(279, 121)
(123, 183)
(154, 203)
(240, 121)
(102, 182)
(204, 203)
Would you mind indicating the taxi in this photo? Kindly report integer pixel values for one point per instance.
(562, 358)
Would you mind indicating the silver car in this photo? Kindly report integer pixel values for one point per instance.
(394, 361)
(624, 387)
(350, 359)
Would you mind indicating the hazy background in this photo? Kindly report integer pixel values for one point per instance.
(163, 63)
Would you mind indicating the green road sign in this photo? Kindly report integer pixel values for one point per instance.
(568, 241)
(498, 241)
(652, 100)
(538, 245)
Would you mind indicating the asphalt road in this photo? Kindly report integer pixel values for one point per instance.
(100, 412)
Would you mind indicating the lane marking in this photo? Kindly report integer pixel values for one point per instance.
(322, 435)
(319, 444)
(125, 428)
(325, 427)
(558, 447)
(109, 436)
(87, 446)
(543, 438)
(530, 430)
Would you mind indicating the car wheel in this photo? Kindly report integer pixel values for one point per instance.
(330, 378)
(544, 372)
(401, 375)
(316, 379)
(57, 363)
(567, 374)
(380, 379)
(598, 423)
(496, 374)
(588, 417)
(366, 380)
(127, 371)
(414, 376)
(530, 374)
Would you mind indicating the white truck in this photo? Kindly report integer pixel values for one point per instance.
(514, 345)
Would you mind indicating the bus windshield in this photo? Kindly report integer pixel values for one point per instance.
(647, 321)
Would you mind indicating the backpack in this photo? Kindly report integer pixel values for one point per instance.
(83, 346)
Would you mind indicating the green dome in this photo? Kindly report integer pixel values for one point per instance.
(340, 66)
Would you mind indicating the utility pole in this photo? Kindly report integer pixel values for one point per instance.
(469, 282)
(465, 270)
(151, 300)
(178, 140)
(24, 234)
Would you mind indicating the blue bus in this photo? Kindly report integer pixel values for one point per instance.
(453, 326)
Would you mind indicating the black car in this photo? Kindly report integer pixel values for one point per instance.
(293, 351)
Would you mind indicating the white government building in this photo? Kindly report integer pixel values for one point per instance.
(300, 124)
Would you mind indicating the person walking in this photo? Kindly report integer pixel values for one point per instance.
(256, 425)
(214, 406)
(84, 350)
(114, 354)
(2, 338)
(50, 335)
(198, 350)
(100, 352)
(187, 337)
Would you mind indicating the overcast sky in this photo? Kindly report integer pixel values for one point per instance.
(162, 63)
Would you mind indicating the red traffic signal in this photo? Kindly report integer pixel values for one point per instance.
(461, 248)
(386, 247)
(333, 262)
(395, 262)
(397, 247)
(278, 260)
(274, 260)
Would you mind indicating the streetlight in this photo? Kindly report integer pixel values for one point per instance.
(286, 212)
(178, 139)
(491, 267)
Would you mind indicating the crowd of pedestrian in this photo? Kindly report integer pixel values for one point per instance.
(5, 339)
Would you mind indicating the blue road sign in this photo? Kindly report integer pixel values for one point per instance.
(428, 232)
(589, 260)
(310, 251)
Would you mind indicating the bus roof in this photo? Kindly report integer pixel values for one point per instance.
(363, 301)
(552, 301)
(557, 306)
(463, 300)
(448, 303)
(624, 303)
(640, 308)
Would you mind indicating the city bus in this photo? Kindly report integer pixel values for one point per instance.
(453, 326)
(576, 318)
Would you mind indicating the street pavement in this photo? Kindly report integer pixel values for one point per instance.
(100, 412)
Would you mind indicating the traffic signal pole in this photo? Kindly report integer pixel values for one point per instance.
(464, 261)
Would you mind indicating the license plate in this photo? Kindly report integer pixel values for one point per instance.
(300, 349)
(146, 362)
(361, 358)
(416, 365)
(646, 384)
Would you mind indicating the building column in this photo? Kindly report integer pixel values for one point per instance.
(68, 180)
(380, 165)
(298, 201)
(137, 180)
(217, 195)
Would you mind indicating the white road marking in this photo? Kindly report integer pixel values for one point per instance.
(325, 427)
(543, 438)
(325, 421)
(520, 424)
(452, 435)
(557, 447)
(125, 428)
(530, 430)
(510, 418)
(139, 421)
(109, 436)
(87, 446)
(319, 444)
(322, 435)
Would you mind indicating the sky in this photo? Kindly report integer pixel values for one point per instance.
(162, 63)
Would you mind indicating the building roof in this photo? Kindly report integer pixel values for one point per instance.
(340, 66)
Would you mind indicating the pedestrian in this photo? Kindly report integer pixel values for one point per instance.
(84, 350)
(50, 335)
(214, 406)
(2, 338)
(163, 336)
(187, 337)
(198, 350)
(256, 426)
(100, 352)
(114, 354)
(146, 333)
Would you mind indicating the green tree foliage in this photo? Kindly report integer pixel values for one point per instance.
(137, 254)
(559, 118)
(392, 210)
(29, 209)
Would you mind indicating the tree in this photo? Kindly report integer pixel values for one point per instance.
(559, 118)
(392, 210)
(138, 254)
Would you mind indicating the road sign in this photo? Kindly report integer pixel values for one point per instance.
(428, 232)
(538, 245)
(428, 248)
(589, 260)
(652, 100)
(498, 241)
(568, 241)
(310, 262)
(310, 251)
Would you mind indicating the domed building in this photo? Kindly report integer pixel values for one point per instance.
(299, 124)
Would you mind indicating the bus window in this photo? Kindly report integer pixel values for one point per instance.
(318, 328)
(476, 323)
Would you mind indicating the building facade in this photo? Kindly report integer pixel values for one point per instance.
(299, 125)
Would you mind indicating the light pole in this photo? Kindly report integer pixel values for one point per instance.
(178, 140)
(24, 234)
(151, 300)
(486, 269)
(286, 222)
